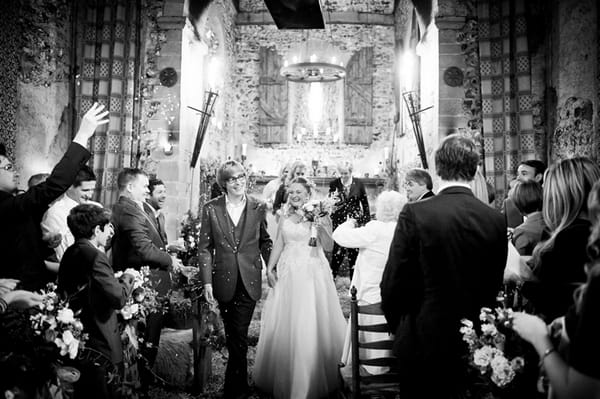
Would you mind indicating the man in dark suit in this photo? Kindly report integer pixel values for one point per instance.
(154, 205)
(233, 237)
(418, 185)
(20, 232)
(446, 261)
(353, 204)
(136, 243)
(86, 277)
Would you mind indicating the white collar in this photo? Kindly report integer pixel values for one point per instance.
(229, 203)
(156, 211)
(350, 181)
(452, 183)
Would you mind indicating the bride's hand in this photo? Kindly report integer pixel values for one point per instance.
(272, 278)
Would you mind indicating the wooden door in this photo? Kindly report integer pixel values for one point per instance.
(358, 98)
(273, 97)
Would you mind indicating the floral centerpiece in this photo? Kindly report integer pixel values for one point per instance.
(490, 351)
(144, 298)
(58, 324)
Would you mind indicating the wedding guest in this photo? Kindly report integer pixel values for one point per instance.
(55, 218)
(20, 244)
(435, 275)
(302, 324)
(215, 189)
(576, 374)
(36, 179)
(527, 197)
(418, 185)
(136, 243)
(527, 170)
(86, 277)
(373, 241)
(154, 205)
(233, 237)
(558, 262)
(353, 203)
(271, 187)
(298, 169)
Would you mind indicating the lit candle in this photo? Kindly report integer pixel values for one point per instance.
(386, 153)
(244, 149)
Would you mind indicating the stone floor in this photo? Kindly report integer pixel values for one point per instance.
(215, 384)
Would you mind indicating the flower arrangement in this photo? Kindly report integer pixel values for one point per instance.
(144, 298)
(58, 324)
(488, 351)
(312, 211)
(189, 237)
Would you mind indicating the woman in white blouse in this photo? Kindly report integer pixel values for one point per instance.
(373, 241)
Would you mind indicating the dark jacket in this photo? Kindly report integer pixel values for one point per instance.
(560, 271)
(446, 261)
(20, 233)
(86, 277)
(354, 204)
(223, 257)
(158, 222)
(138, 243)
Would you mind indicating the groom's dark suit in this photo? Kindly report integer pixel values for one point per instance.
(230, 260)
(446, 261)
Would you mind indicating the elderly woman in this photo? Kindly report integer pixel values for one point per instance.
(373, 241)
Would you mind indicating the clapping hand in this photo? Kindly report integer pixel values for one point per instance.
(52, 239)
(22, 299)
(95, 117)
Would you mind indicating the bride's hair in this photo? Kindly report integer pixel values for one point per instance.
(307, 184)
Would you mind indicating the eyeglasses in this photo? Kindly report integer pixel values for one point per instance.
(235, 179)
(8, 167)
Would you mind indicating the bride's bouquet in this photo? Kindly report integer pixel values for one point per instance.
(312, 211)
(58, 324)
(488, 350)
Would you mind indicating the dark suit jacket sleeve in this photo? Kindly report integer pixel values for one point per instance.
(265, 242)
(332, 186)
(206, 246)
(402, 281)
(279, 198)
(37, 198)
(133, 224)
(113, 292)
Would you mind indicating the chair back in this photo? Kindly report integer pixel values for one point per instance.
(377, 383)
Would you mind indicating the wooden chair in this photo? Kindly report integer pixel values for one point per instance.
(357, 382)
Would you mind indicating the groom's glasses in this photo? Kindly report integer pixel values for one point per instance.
(235, 179)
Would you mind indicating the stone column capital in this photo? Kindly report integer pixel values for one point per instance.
(171, 22)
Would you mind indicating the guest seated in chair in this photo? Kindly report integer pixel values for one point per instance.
(373, 241)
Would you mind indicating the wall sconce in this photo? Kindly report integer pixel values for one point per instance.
(168, 145)
(244, 152)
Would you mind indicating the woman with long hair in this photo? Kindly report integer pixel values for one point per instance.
(578, 374)
(558, 262)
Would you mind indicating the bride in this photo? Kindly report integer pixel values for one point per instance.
(302, 326)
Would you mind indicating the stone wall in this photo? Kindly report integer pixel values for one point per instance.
(349, 38)
(375, 6)
(577, 79)
(43, 118)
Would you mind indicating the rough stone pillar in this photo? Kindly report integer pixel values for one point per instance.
(171, 169)
(577, 79)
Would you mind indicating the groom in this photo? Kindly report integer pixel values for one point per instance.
(233, 236)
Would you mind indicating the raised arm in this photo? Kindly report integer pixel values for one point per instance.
(63, 174)
(349, 236)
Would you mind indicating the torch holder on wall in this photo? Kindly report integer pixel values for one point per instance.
(411, 99)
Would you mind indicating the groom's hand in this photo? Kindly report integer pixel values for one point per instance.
(208, 293)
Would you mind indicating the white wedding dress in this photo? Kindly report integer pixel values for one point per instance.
(302, 326)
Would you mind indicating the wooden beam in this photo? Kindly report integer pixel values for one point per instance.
(342, 17)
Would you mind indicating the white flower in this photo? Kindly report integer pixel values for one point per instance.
(467, 323)
(65, 316)
(129, 310)
(502, 372)
(309, 208)
(483, 356)
(68, 344)
(489, 329)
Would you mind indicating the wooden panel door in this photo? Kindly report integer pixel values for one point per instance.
(273, 97)
(358, 98)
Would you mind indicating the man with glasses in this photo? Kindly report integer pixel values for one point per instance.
(20, 244)
(233, 236)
